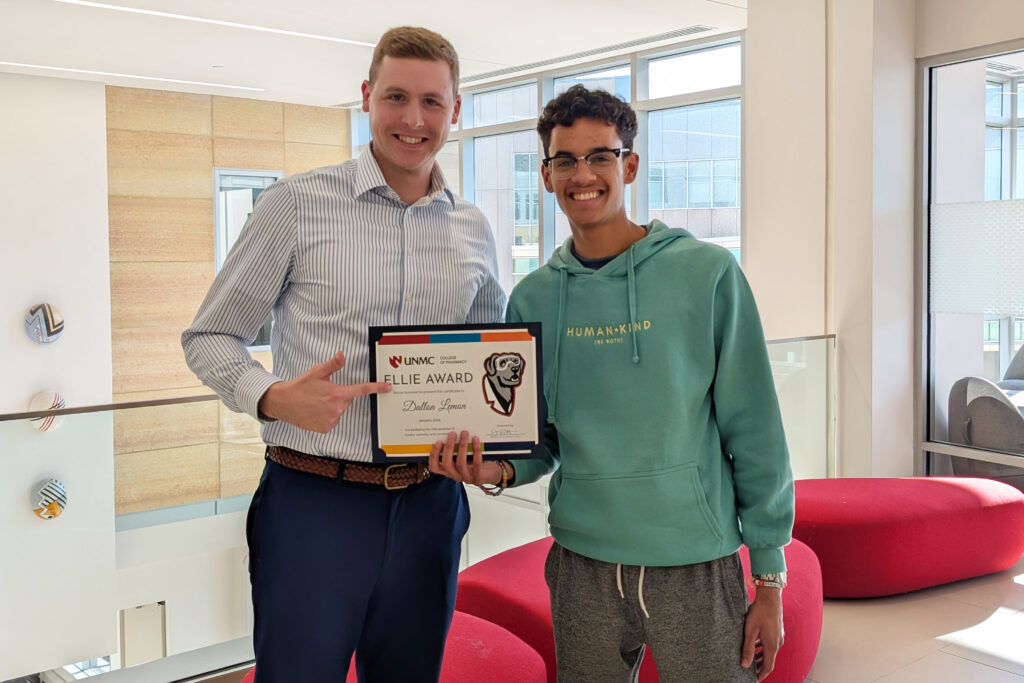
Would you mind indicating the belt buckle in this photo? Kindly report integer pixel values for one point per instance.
(387, 484)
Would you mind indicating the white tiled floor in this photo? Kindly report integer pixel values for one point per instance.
(967, 632)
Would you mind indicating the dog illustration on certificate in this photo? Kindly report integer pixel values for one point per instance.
(503, 372)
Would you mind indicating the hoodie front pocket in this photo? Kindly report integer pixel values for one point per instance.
(664, 506)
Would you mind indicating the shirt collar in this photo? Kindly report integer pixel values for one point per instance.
(369, 178)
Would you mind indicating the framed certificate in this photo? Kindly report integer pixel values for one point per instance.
(485, 379)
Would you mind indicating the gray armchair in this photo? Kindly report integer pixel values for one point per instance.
(982, 415)
(1013, 379)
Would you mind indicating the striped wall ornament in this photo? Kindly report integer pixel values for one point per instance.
(50, 499)
(44, 323)
(48, 399)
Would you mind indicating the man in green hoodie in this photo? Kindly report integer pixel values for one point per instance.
(664, 433)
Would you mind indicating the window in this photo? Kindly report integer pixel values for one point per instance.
(506, 190)
(504, 106)
(693, 177)
(993, 164)
(615, 80)
(235, 193)
(527, 198)
(975, 297)
(448, 162)
(696, 71)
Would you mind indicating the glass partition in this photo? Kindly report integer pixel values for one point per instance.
(804, 374)
(125, 526)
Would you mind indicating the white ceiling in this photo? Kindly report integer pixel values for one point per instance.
(488, 37)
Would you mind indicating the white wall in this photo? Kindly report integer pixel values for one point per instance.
(893, 166)
(851, 215)
(784, 164)
(830, 90)
(199, 569)
(53, 187)
(57, 600)
(950, 25)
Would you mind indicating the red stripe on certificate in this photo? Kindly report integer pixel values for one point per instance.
(404, 339)
(505, 336)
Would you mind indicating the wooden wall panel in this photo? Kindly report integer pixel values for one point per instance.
(241, 464)
(158, 110)
(317, 125)
(149, 359)
(265, 155)
(145, 164)
(173, 476)
(160, 427)
(157, 294)
(234, 117)
(160, 229)
(300, 157)
(161, 150)
(236, 426)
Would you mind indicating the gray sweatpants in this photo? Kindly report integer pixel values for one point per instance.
(691, 616)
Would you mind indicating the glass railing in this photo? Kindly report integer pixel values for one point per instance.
(124, 531)
(804, 369)
(143, 576)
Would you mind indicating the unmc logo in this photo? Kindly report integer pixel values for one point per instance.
(410, 360)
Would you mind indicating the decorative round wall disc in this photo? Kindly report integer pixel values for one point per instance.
(46, 400)
(44, 324)
(50, 499)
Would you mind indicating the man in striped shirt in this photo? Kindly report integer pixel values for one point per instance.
(345, 556)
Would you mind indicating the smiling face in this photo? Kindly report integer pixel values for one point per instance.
(412, 104)
(588, 199)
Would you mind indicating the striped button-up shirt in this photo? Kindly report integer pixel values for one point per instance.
(331, 252)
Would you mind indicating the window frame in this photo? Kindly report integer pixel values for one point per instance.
(924, 342)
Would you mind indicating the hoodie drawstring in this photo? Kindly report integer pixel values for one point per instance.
(618, 580)
(631, 280)
(563, 294)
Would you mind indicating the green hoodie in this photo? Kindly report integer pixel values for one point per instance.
(664, 430)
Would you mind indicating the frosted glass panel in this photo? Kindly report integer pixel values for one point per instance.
(804, 374)
(977, 252)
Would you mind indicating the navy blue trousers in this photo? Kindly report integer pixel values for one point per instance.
(338, 568)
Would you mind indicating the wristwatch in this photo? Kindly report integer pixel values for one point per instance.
(772, 580)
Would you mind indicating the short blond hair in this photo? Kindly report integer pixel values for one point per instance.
(418, 43)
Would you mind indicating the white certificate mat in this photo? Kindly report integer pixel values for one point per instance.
(485, 379)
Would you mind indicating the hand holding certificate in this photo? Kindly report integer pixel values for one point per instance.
(485, 379)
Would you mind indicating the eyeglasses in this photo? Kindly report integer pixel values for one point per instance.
(600, 161)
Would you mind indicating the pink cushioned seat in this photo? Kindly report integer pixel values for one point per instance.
(509, 589)
(482, 652)
(885, 536)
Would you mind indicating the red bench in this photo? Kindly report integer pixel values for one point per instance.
(885, 536)
(509, 589)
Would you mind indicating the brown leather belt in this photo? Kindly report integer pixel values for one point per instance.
(391, 477)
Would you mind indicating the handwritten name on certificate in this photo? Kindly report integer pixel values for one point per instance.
(485, 379)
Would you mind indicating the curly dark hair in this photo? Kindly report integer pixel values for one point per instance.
(580, 103)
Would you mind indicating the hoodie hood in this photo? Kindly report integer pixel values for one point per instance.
(624, 266)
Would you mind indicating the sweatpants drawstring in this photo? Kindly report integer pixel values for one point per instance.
(640, 592)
